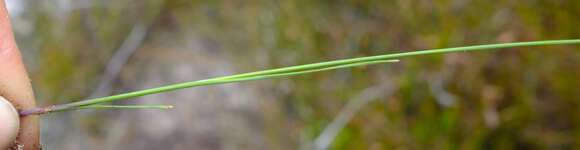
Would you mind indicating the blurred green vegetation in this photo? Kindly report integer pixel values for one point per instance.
(522, 98)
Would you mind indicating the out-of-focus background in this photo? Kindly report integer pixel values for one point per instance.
(521, 98)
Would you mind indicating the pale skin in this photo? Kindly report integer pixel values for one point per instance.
(15, 87)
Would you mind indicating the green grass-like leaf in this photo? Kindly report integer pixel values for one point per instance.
(293, 71)
(98, 106)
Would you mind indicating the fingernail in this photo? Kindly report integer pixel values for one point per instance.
(9, 123)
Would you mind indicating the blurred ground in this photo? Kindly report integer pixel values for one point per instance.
(522, 98)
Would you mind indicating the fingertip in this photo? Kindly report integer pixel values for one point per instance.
(7, 42)
(9, 123)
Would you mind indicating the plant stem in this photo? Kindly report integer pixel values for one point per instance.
(96, 106)
(289, 71)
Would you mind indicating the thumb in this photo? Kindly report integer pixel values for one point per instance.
(15, 84)
(9, 123)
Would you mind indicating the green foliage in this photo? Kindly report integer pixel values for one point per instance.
(531, 93)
